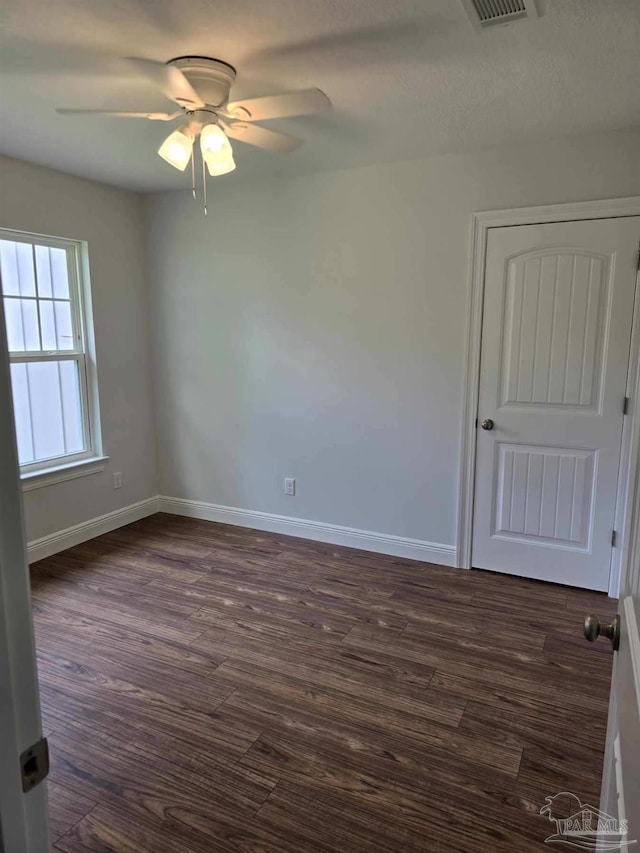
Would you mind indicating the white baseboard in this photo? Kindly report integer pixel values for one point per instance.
(38, 549)
(382, 543)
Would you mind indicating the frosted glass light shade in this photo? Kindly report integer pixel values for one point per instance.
(216, 150)
(213, 140)
(177, 149)
(219, 165)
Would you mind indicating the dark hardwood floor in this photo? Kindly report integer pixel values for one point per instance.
(207, 688)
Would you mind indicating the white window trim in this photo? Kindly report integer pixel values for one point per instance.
(91, 460)
(68, 471)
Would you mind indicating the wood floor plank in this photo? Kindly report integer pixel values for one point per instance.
(70, 667)
(94, 638)
(513, 670)
(498, 726)
(361, 743)
(66, 808)
(124, 614)
(326, 664)
(340, 696)
(195, 829)
(217, 733)
(230, 608)
(352, 825)
(354, 588)
(120, 830)
(540, 764)
(376, 783)
(434, 728)
(535, 708)
(450, 620)
(208, 688)
(150, 782)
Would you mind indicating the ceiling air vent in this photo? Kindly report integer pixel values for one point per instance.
(486, 13)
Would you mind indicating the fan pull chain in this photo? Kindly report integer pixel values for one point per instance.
(193, 173)
(204, 186)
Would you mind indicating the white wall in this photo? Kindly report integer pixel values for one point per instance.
(111, 220)
(314, 327)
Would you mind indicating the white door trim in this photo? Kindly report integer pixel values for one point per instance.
(481, 222)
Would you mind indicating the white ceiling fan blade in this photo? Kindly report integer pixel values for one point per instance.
(301, 103)
(122, 114)
(170, 80)
(271, 140)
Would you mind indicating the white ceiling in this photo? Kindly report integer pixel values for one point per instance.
(407, 78)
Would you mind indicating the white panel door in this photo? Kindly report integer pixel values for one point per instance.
(556, 331)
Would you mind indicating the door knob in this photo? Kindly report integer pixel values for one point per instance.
(487, 423)
(593, 629)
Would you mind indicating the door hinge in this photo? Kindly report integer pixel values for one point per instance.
(476, 423)
(638, 263)
(613, 538)
(34, 764)
(625, 405)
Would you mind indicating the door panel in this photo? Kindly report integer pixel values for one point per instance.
(544, 494)
(556, 332)
(551, 340)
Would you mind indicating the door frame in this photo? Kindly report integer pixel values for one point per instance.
(481, 223)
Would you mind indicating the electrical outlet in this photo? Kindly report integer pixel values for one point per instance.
(117, 480)
(289, 486)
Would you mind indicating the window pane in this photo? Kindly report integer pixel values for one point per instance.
(63, 325)
(9, 268)
(55, 325)
(47, 325)
(71, 406)
(53, 275)
(46, 409)
(16, 268)
(13, 322)
(26, 273)
(22, 412)
(22, 324)
(56, 409)
(43, 269)
(59, 273)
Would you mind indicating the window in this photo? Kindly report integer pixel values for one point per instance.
(53, 392)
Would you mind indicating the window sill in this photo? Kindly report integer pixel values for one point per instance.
(70, 471)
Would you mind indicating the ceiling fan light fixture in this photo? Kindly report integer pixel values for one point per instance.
(177, 149)
(200, 87)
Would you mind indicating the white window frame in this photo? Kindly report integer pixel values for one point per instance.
(91, 459)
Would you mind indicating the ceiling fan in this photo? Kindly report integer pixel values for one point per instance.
(200, 87)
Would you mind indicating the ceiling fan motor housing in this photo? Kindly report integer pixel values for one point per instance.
(199, 119)
(211, 78)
